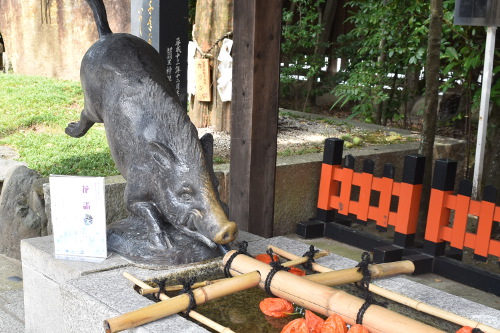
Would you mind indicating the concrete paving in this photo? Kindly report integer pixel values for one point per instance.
(11, 286)
(11, 296)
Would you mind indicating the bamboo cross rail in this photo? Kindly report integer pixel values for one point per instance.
(314, 296)
(393, 296)
(331, 278)
(193, 314)
(256, 274)
(325, 300)
(146, 289)
(180, 303)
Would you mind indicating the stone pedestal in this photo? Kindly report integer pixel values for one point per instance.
(63, 296)
(69, 296)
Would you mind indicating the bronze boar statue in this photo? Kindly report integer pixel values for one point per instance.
(176, 215)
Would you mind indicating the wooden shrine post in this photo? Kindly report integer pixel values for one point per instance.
(254, 113)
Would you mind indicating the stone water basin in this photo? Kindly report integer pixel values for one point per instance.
(87, 299)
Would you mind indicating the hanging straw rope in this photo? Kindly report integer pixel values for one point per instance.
(207, 54)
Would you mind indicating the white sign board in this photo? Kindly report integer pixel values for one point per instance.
(78, 217)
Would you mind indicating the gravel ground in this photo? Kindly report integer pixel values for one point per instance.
(293, 134)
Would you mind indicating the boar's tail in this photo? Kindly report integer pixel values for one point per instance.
(101, 19)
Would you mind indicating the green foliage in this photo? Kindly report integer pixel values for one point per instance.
(33, 114)
(462, 53)
(302, 28)
(389, 36)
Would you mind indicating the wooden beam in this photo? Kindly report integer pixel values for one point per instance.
(254, 113)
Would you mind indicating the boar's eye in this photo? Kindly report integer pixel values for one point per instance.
(186, 194)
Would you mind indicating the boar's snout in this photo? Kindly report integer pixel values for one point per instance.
(226, 234)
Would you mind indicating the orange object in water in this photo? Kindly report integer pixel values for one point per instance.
(297, 271)
(334, 324)
(314, 322)
(358, 329)
(296, 326)
(276, 307)
(266, 258)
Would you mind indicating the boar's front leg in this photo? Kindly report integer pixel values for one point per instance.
(149, 213)
(79, 128)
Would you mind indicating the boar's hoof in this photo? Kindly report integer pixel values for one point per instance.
(128, 239)
(78, 129)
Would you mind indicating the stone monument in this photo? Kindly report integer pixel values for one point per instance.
(164, 25)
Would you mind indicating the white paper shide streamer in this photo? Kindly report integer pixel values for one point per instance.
(224, 83)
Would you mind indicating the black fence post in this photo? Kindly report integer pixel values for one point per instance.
(332, 156)
(464, 189)
(443, 180)
(413, 174)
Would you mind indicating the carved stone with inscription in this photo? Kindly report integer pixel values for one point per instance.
(176, 215)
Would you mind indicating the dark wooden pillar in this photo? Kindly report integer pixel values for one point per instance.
(254, 113)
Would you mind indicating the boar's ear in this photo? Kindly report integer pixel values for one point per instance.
(162, 154)
(207, 143)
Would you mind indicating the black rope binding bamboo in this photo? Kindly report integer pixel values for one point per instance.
(275, 268)
(242, 250)
(161, 287)
(363, 285)
(310, 258)
(186, 289)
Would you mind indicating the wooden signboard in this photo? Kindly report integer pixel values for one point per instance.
(477, 13)
(78, 217)
(164, 25)
(202, 74)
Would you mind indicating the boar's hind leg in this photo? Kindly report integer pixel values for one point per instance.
(147, 212)
(79, 129)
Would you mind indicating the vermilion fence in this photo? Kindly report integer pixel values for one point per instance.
(374, 195)
(452, 218)
(454, 222)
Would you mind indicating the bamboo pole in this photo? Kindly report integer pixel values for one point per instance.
(327, 301)
(350, 275)
(193, 314)
(303, 260)
(180, 303)
(297, 261)
(429, 309)
(288, 255)
(344, 276)
(396, 297)
(147, 289)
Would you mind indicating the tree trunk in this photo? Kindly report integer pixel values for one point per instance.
(377, 116)
(411, 90)
(492, 158)
(213, 20)
(327, 19)
(431, 100)
(387, 104)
